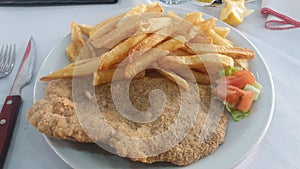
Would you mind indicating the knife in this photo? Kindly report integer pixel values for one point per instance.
(10, 109)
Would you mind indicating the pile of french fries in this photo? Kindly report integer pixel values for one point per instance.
(147, 37)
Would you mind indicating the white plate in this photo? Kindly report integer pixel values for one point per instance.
(240, 139)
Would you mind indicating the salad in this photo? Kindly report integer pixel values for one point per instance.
(238, 89)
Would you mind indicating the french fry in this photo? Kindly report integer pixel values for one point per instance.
(106, 22)
(172, 44)
(199, 62)
(174, 77)
(201, 39)
(105, 27)
(142, 62)
(82, 62)
(118, 34)
(86, 29)
(153, 7)
(222, 31)
(73, 71)
(151, 25)
(76, 36)
(180, 52)
(168, 44)
(104, 76)
(199, 77)
(152, 40)
(119, 52)
(74, 48)
(107, 76)
(109, 24)
(243, 63)
(234, 52)
(217, 39)
(88, 52)
(194, 17)
(71, 53)
(207, 24)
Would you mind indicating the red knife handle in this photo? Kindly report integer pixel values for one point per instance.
(8, 117)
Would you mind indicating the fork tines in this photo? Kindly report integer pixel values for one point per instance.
(7, 59)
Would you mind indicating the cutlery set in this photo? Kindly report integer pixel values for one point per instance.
(13, 101)
(7, 59)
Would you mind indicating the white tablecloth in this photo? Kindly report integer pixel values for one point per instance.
(280, 148)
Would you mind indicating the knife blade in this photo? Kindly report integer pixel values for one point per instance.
(10, 109)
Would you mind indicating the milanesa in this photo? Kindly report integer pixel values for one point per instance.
(55, 116)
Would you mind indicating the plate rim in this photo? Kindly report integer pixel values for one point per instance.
(269, 75)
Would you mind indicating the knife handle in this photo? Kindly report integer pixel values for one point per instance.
(8, 117)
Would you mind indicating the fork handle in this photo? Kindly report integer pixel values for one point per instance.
(8, 117)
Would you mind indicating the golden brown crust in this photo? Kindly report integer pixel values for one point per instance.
(189, 149)
(55, 116)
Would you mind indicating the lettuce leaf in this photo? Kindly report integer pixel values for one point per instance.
(236, 114)
(228, 70)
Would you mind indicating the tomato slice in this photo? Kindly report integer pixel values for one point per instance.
(245, 76)
(238, 79)
(246, 101)
(230, 94)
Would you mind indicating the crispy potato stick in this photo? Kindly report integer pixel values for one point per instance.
(143, 61)
(243, 63)
(77, 38)
(201, 39)
(106, 76)
(81, 62)
(174, 78)
(77, 43)
(88, 51)
(148, 43)
(222, 31)
(71, 53)
(153, 7)
(86, 29)
(200, 77)
(73, 71)
(120, 33)
(234, 52)
(119, 52)
(85, 53)
(151, 41)
(190, 31)
(109, 24)
(194, 17)
(207, 24)
(160, 35)
(199, 62)
(180, 52)
(104, 27)
(172, 44)
(154, 24)
(217, 39)
(105, 23)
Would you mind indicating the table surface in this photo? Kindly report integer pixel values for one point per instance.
(280, 148)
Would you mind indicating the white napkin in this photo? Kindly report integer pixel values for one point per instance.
(281, 14)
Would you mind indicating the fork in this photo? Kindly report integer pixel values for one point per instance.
(7, 59)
